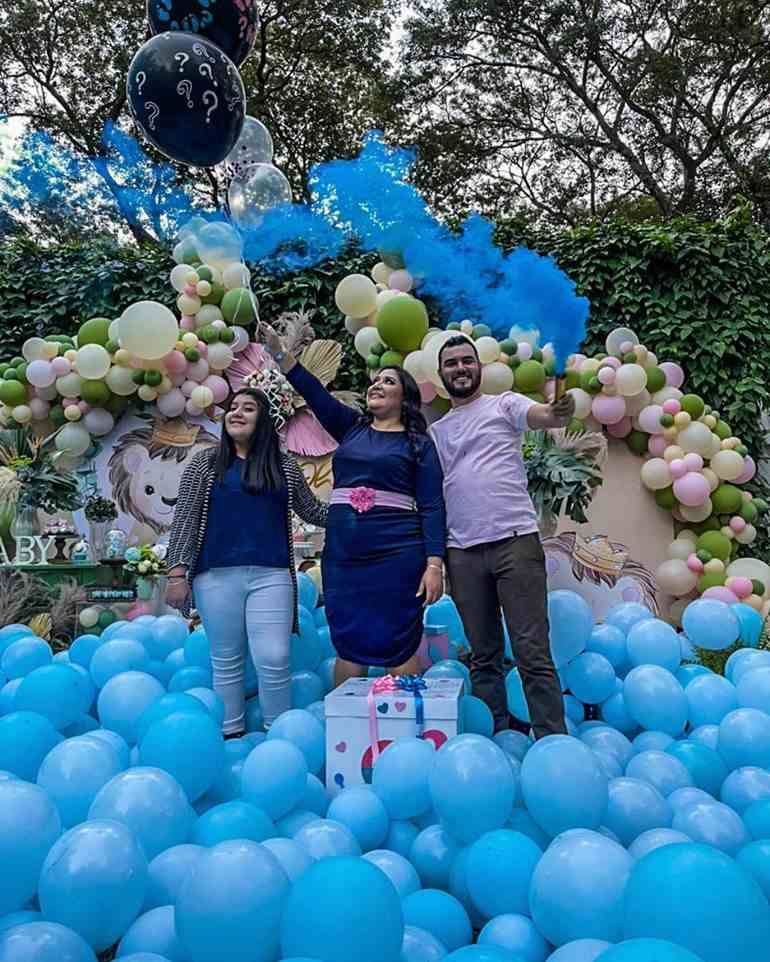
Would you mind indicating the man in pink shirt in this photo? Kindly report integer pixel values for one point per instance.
(494, 556)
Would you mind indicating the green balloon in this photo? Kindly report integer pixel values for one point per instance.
(226, 335)
(205, 273)
(758, 587)
(116, 405)
(56, 414)
(391, 359)
(664, 498)
(372, 362)
(576, 426)
(440, 404)
(637, 442)
(402, 323)
(138, 376)
(537, 397)
(94, 331)
(704, 556)
(537, 356)
(667, 420)
(749, 512)
(529, 377)
(95, 392)
(153, 378)
(722, 430)
(13, 393)
(726, 499)
(11, 374)
(192, 354)
(710, 524)
(571, 380)
(238, 306)
(481, 330)
(760, 504)
(393, 259)
(208, 334)
(112, 346)
(630, 358)
(453, 326)
(16, 361)
(710, 580)
(215, 296)
(378, 349)
(106, 618)
(656, 379)
(693, 405)
(550, 366)
(509, 346)
(717, 545)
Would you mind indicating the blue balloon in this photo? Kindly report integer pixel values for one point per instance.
(398, 869)
(433, 852)
(574, 710)
(292, 859)
(306, 650)
(326, 674)
(160, 670)
(458, 887)
(609, 641)
(401, 777)
(8, 696)
(144, 957)
(615, 713)
(197, 652)
(25, 739)
(100, 863)
(315, 798)
(25, 655)
(756, 818)
(625, 615)
(307, 591)
(577, 888)
(472, 785)
(166, 873)
(653, 642)
(709, 698)
(517, 934)
(213, 926)
(444, 614)
(651, 741)
(274, 777)
(580, 950)
(705, 735)
(710, 624)
(744, 738)
(655, 838)
(660, 769)
(609, 763)
(29, 825)
(154, 932)
(643, 950)
(514, 743)
(712, 823)
(230, 820)
(175, 660)
(755, 858)
(570, 625)
(318, 711)
(115, 741)
(421, 946)
(591, 678)
(326, 838)
(19, 918)
(706, 767)
(499, 872)
(744, 786)
(400, 837)
(563, 784)
(327, 648)
(190, 677)
(169, 632)
(116, 656)
(290, 824)
(54, 691)
(212, 701)
(360, 809)
(635, 807)
(254, 720)
(301, 729)
(319, 616)
(73, 772)
(744, 660)
(516, 697)
(124, 699)
(112, 631)
(187, 744)
(151, 803)
(83, 648)
(476, 718)
(43, 942)
(729, 920)
(750, 623)
(11, 633)
(753, 690)
(655, 699)
(482, 953)
(451, 668)
(343, 896)
(683, 798)
(306, 688)
(441, 914)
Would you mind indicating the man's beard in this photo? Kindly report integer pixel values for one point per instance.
(466, 389)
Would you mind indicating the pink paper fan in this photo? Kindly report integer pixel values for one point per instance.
(251, 359)
(304, 435)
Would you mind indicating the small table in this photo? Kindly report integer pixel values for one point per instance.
(83, 572)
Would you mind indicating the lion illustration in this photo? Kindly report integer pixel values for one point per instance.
(145, 468)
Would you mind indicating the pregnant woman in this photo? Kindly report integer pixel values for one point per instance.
(386, 530)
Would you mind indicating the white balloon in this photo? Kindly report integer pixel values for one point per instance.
(98, 422)
(365, 340)
(120, 381)
(488, 350)
(34, 349)
(219, 356)
(92, 361)
(618, 337)
(241, 341)
(675, 578)
(496, 378)
(697, 514)
(181, 276)
(415, 364)
(69, 384)
(236, 275)
(208, 314)
(583, 402)
(72, 439)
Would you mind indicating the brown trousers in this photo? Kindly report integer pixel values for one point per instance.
(509, 574)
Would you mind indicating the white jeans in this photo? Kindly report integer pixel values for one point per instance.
(254, 605)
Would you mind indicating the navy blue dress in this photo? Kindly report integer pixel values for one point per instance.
(373, 562)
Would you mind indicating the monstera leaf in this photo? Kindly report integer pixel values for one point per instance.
(563, 471)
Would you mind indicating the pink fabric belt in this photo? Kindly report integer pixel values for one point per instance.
(364, 499)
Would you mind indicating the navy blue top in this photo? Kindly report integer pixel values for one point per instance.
(380, 459)
(243, 528)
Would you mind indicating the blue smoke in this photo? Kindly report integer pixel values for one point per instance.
(368, 200)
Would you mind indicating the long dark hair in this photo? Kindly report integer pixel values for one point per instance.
(412, 417)
(262, 469)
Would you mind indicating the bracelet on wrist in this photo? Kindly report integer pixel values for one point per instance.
(437, 567)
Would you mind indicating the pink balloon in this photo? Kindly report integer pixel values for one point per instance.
(626, 347)
(577, 360)
(190, 290)
(657, 444)
(741, 587)
(137, 609)
(672, 406)
(39, 408)
(606, 375)
(203, 349)
(693, 462)
(178, 379)
(695, 564)
(427, 392)
(84, 406)
(737, 524)
(677, 468)
(172, 403)
(176, 362)
(608, 410)
(67, 401)
(219, 387)
(187, 323)
(61, 366)
(198, 371)
(720, 593)
(41, 373)
(188, 387)
(621, 428)
(219, 325)
(749, 470)
(192, 409)
(649, 419)
(692, 490)
(612, 362)
(674, 373)
(401, 281)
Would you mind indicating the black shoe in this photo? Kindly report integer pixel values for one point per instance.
(231, 735)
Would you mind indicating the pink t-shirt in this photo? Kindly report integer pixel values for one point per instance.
(485, 483)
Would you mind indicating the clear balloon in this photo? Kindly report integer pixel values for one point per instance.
(254, 146)
(255, 191)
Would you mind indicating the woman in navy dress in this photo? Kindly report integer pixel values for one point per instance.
(386, 530)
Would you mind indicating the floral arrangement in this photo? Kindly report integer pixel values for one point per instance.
(29, 477)
(98, 509)
(564, 471)
(279, 393)
(146, 561)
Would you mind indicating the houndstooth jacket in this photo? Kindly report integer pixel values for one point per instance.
(191, 514)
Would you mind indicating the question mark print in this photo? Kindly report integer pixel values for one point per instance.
(210, 97)
(205, 71)
(141, 80)
(152, 113)
(182, 58)
(184, 87)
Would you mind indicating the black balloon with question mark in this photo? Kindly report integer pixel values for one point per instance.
(230, 24)
(188, 98)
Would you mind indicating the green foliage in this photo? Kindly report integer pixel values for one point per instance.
(560, 478)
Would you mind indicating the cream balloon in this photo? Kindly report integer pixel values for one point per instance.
(208, 314)
(92, 362)
(202, 396)
(147, 393)
(356, 295)
(120, 381)
(73, 440)
(655, 474)
(69, 385)
(181, 276)
(89, 617)
(753, 569)
(381, 272)
(384, 296)
(33, 349)
(149, 330)
(496, 378)
(638, 402)
(695, 438)
(365, 340)
(711, 477)
(113, 331)
(354, 324)
(72, 412)
(22, 413)
(219, 356)
(488, 351)
(697, 514)
(747, 536)
(583, 402)
(236, 275)
(687, 535)
(189, 304)
(666, 394)
(52, 350)
(630, 379)
(675, 578)
(680, 549)
(727, 465)
(415, 364)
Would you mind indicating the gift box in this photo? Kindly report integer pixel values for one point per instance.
(355, 722)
